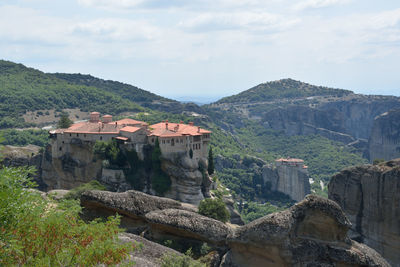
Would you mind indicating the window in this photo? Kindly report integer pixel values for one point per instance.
(152, 140)
(167, 141)
(199, 146)
(163, 141)
(70, 134)
(84, 135)
(181, 141)
(172, 142)
(60, 148)
(101, 137)
(77, 135)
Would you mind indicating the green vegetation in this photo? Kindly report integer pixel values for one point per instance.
(160, 182)
(210, 162)
(64, 121)
(76, 192)
(252, 211)
(39, 232)
(173, 260)
(286, 88)
(24, 137)
(214, 208)
(24, 89)
(109, 150)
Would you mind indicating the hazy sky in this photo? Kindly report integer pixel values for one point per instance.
(210, 47)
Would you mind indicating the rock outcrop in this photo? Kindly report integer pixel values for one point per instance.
(74, 168)
(188, 183)
(384, 142)
(311, 233)
(15, 156)
(370, 197)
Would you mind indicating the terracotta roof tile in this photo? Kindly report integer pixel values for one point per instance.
(130, 129)
(169, 129)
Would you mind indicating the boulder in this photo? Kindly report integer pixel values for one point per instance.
(188, 224)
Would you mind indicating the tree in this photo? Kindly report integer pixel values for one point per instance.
(191, 153)
(214, 208)
(210, 162)
(37, 231)
(160, 181)
(64, 122)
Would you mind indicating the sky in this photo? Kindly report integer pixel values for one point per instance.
(206, 49)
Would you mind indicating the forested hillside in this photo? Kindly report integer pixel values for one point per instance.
(25, 89)
(285, 88)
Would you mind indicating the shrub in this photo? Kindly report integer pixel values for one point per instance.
(36, 231)
(173, 260)
(77, 191)
(214, 208)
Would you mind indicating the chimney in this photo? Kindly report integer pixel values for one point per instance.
(116, 124)
(191, 123)
(198, 129)
(166, 124)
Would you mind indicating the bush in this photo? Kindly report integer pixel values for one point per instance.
(77, 191)
(214, 208)
(39, 232)
(173, 260)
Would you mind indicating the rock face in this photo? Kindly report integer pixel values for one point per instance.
(72, 169)
(290, 180)
(370, 197)
(311, 233)
(384, 142)
(14, 156)
(188, 183)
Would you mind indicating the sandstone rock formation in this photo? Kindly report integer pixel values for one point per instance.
(14, 156)
(291, 180)
(311, 233)
(188, 183)
(149, 254)
(384, 142)
(370, 197)
(76, 167)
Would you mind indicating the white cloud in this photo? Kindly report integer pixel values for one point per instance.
(114, 29)
(250, 21)
(310, 4)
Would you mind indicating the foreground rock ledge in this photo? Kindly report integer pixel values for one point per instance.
(311, 233)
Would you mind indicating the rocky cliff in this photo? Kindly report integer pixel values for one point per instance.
(14, 156)
(290, 180)
(311, 233)
(370, 197)
(384, 142)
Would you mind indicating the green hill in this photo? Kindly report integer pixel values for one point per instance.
(25, 89)
(285, 88)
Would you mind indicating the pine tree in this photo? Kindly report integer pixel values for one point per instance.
(210, 162)
(64, 122)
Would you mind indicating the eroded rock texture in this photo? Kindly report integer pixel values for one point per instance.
(384, 142)
(311, 233)
(370, 197)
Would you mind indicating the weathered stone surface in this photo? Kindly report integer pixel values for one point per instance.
(190, 224)
(131, 203)
(188, 184)
(290, 180)
(71, 170)
(15, 156)
(311, 233)
(370, 197)
(149, 254)
(384, 142)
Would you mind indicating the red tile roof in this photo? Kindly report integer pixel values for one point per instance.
(292, 160)
(129, 122)
(93, 127)
(168, 129)
(130, 129)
